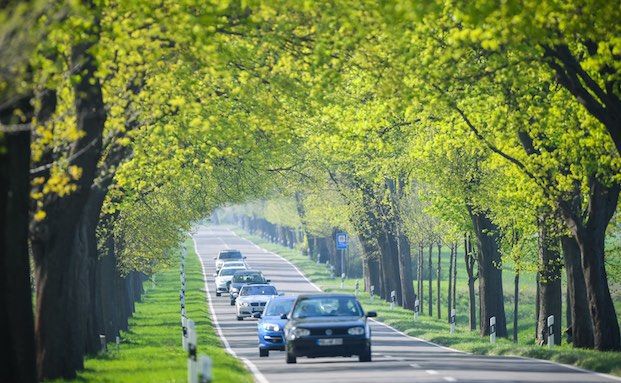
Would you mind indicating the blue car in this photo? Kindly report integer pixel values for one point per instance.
(270, 326)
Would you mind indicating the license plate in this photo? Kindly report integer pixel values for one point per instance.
(330, 342)
(256, 309)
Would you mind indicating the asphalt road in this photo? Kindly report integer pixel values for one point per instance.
(396, 356)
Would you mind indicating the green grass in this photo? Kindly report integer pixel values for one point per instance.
(151, 350)
(437, 330)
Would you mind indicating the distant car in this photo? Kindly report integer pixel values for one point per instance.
(228, 255)
(327, 325)
(223, 278)
(271, 325)
(228, 263)
(252, 299)
(242, 278)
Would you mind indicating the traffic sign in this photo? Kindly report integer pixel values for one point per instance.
(341, 241)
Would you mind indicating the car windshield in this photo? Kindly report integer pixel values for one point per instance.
(229, 271)
(278, 307)
(258, 290)
(327, 307)
(230, 255)
(248, 278)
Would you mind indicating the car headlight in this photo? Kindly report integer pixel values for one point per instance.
(355, 331)
(245, 304)
(234, 289)
(298, 332)
(271, 327)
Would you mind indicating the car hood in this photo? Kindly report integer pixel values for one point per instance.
(274, 320)
(312, 322)
(255, 298)
(224, 279)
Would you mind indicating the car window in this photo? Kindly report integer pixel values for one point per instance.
(258, 290)
(229, 271)
(278, 307)
(249, 278)
(328, 306)
(230, 255)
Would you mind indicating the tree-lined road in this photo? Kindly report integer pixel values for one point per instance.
(396, 357)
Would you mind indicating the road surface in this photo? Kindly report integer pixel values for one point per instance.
(396, 357)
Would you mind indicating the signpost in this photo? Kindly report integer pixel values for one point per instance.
(372, 292)
(452, 321)
(393, 299)
(416, 307)
(551, 331)
(342, 242)
(492, 330)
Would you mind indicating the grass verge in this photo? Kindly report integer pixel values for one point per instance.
(151, 350)
(438, 330)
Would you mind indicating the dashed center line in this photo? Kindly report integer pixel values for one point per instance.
(431, 372)
(415, 365)
(450, 379)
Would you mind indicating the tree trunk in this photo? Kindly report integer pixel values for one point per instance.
(490, 274)
(450, 284)
(59, 346)
(438, 280)
(516, 304)
(469, 259)
(579, 317)
(391, 279)
(16, 319)
(454, 277)
(405, 272)
(421, 284)
(430, 276)
(550, 293)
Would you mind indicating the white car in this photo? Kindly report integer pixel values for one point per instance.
(223, 278)
(227, 255)
(252, 299)
(235, 264)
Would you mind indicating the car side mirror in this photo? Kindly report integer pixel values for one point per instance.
(268, 280)
(245, 257)
(283, 316)
(215, 258)
(371, 314)
(281, 294)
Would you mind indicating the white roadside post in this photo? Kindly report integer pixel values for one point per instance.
(372, 292)
(184, 332)
(452, 321)
(118, 342)
(357, 288)
(342, 280)
(492, 330)
(416, 308)
(393, 299)
(551, 331)
(102, 343)
(192, 365)
(205, 366)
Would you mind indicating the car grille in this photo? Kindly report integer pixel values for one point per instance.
(274, 339)
(335, 331)
(257, 304)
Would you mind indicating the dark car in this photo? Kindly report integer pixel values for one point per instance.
(327, 325)
(244, 277)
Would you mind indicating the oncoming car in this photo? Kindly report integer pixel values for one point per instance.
(271, 326)
(227, 255)
(327, 325)
(252, 299)
(244, 277)
(223, 278)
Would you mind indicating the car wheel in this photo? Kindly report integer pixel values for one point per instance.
(291, 358)
(365, 356)
(232, 303)
(240, 318)
(218, 294)
(263, 352)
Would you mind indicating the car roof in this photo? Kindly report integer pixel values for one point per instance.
(233, 267)
(326, 295)
(283, 298)
(229, 251)
(247, 272)
(258, 285)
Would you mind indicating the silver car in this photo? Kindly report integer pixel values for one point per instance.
(223, 278)
(252, 299)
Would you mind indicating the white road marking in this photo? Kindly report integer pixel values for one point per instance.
(415, 365)
(259, 377)
(431, 372)
(450, 379)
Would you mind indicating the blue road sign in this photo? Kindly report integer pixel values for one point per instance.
(341, 241)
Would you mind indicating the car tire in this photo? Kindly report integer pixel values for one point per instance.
(218, 294)
(264, 352)
(365, 356)
(291, 358)
(232, 303)
(240, 318)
